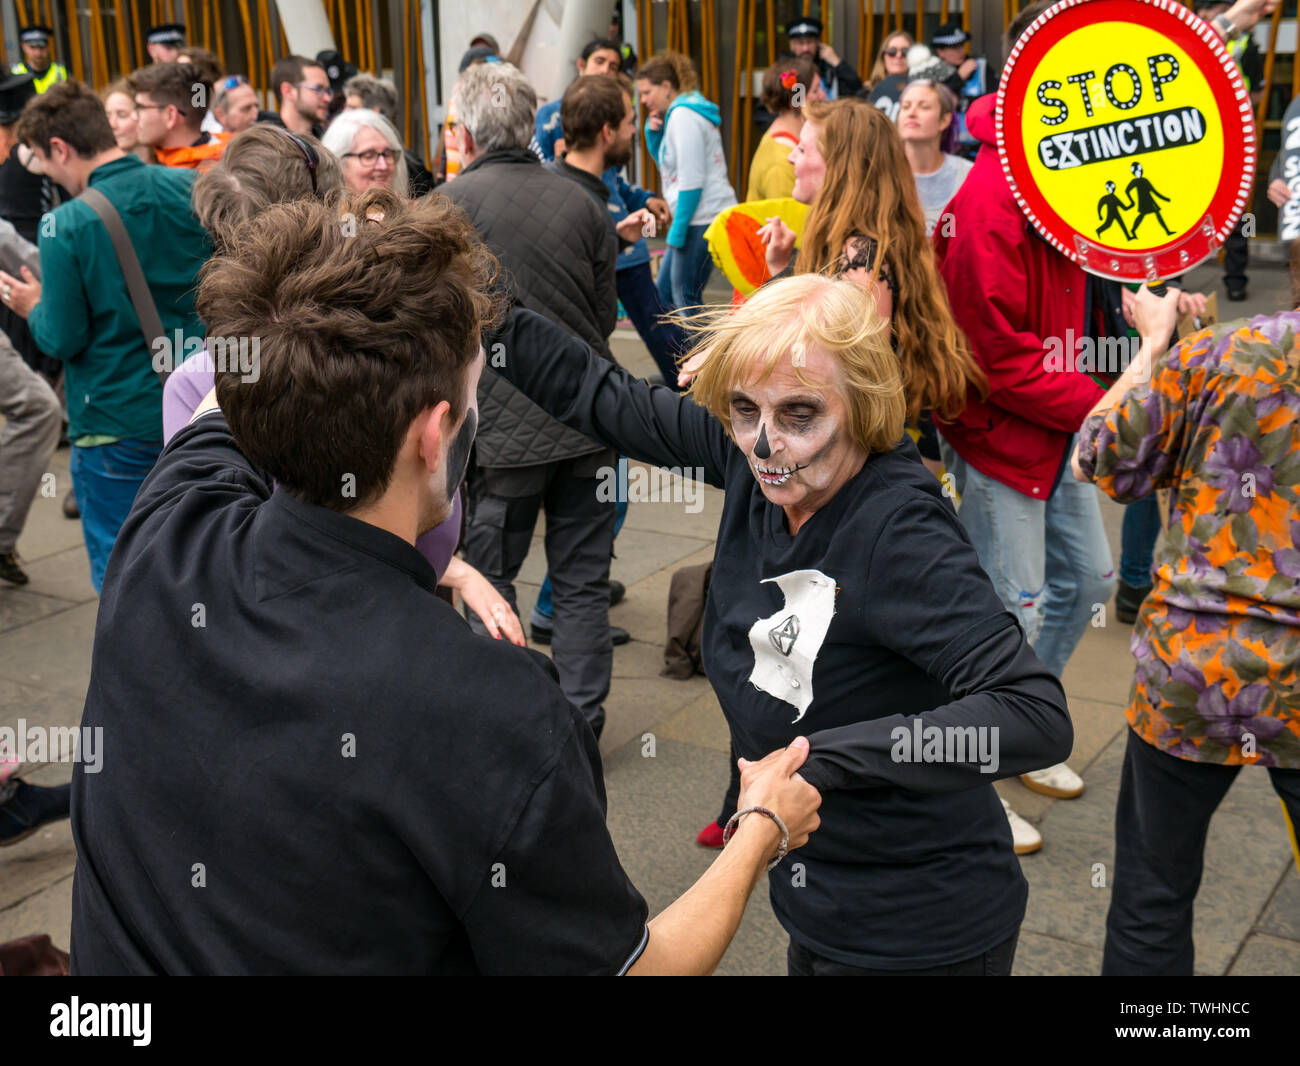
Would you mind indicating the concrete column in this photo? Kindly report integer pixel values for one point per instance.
(306, 26)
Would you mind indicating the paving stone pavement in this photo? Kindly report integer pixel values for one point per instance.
(1248, 911)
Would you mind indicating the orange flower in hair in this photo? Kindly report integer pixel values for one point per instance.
(789, 78)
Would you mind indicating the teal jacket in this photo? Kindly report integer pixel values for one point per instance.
(85, 317)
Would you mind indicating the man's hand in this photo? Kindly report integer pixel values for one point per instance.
(775, 784)
(1154, 317)
(637, 225)
(826, 52)
(1127, 301)
(779, 239)
(20, 296)
(659, 208)
(967, 68)
(1245, 13)
(1279, 192)
(1191, 303)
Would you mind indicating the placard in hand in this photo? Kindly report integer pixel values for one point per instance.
(1126, 133)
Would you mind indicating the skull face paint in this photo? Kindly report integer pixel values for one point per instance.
(458, 453)
(796, 435)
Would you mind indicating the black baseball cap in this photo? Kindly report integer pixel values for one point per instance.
(35, 34)
(336, 68)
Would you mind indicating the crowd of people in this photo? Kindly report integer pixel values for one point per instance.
(318, 391)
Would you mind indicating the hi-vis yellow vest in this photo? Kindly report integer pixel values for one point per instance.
(56, 72)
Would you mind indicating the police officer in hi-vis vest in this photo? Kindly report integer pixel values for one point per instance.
(36, 58)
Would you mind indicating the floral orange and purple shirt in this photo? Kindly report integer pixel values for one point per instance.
(1217, 641)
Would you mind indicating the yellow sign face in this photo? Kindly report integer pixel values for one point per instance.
(1122, 136)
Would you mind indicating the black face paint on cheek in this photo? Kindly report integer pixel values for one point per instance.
(762, 449)
(458, 453)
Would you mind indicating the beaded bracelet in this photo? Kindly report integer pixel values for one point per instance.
(734, 820)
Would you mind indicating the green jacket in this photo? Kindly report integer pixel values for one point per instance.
(85, 317)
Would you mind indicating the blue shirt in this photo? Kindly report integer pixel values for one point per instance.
(547, 129)
(623, 200)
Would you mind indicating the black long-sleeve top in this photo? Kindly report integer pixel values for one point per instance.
(865, 631)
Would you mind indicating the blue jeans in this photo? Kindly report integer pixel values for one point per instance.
(106, 479)
(1137, 541)
(665, 340)
(685, 271)
(545, 607)
(1049, 560)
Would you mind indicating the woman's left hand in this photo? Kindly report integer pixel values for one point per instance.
(485, 601)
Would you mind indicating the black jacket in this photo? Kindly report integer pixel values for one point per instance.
(843, 79)
(558, 251)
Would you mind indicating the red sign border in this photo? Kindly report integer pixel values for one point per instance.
(1225, 208)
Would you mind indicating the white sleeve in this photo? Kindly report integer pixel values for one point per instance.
(690, 149)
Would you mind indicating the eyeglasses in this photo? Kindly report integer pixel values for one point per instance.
(894, 53)
(150, 107)
(320, 90)
(370, 158)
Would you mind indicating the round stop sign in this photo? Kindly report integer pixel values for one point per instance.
(1126, 132)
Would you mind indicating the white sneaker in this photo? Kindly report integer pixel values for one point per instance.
(1059, 782)
(1026, 838)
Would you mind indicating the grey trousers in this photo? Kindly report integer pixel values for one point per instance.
(501, 512)
(32, 420)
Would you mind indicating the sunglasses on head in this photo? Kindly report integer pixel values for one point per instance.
(233, 82)
(309, 155)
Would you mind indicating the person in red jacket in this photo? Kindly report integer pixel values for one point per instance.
(1038, 533)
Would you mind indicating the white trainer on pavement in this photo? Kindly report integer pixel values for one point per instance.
(1026, 838)
(1059, 782)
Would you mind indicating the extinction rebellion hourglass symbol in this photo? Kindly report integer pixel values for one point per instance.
(784, 635)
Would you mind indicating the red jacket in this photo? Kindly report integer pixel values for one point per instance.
(1010, 292)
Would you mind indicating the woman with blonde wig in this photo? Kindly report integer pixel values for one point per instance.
(846, 604)
(866, 223)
